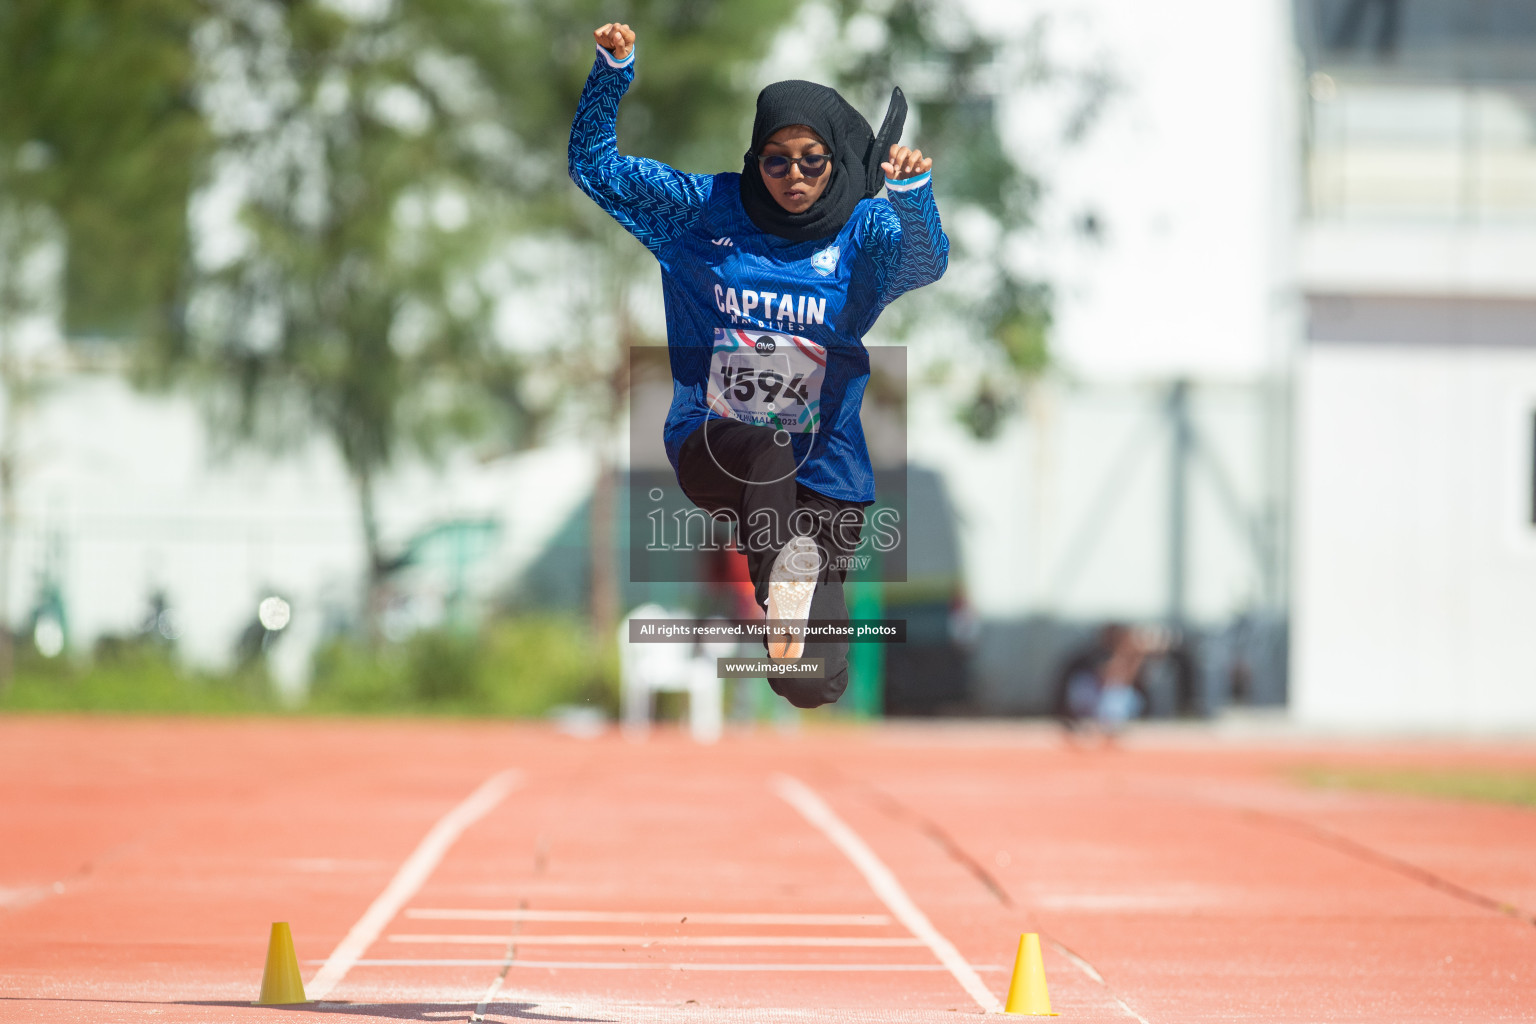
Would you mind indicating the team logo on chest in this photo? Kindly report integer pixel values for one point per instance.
(825, 262)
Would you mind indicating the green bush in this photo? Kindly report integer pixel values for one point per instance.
(349, 677)
(518, 667)
(129, 677)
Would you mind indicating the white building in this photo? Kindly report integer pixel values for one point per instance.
(1415, 526)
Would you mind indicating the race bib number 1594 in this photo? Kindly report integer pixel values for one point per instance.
(767, 378)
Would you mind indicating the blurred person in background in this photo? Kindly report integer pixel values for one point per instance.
(771, 277)
(1100, 688)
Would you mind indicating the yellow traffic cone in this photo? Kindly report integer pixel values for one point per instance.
(1026, 993)
(280, 982)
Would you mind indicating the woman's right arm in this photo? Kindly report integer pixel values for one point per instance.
(652, 201)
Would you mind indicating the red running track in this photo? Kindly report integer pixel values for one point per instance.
(1178, 879)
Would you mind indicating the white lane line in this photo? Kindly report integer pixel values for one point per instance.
(501, 975)
(1078, 962)
(416, 869)
(495, 989)
(1093, 972)
(816, 811)
(645, 941)
(601, 965)
(489, 997)
(642, 917)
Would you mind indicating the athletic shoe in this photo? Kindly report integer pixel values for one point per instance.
(791, 584)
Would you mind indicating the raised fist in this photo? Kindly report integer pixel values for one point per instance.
(617, 39)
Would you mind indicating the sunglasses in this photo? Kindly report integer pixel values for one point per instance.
(812, 165)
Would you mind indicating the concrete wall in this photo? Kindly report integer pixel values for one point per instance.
(1415, 554)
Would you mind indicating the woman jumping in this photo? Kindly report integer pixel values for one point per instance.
(771, 278)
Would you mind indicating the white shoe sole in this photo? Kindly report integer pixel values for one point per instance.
(791, 585)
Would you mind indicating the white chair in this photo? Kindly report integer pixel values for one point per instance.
(648, 668)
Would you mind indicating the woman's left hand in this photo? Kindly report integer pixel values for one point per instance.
(906, 163)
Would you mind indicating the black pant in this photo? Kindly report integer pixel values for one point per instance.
(739, 471)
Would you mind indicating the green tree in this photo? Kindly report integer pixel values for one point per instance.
(100, 148)
(368, 154)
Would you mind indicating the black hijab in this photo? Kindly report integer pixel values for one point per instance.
(856, 155)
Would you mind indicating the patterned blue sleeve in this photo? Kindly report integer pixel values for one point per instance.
(654, 202)
(909, 246)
